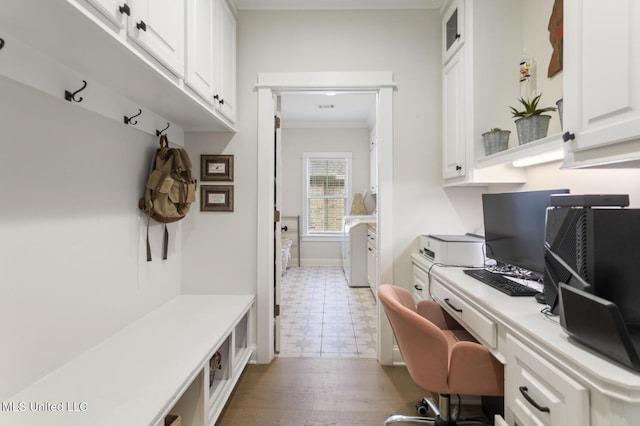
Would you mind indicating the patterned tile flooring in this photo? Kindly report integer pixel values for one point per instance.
(321, 316)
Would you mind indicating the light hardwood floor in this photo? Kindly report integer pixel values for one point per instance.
(320, 391)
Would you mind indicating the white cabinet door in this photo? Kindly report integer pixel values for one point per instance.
(454, 144)
(537, 393)
(453, 30)
(114, 10)
(201, 47)
(158, 27)
(226, 88)
(601, 79)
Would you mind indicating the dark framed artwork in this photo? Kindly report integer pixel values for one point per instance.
(216, 168)
(216, 198)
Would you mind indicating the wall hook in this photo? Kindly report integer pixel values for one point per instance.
(128, 120)
(1, 43)
(72, 96)
(159, 132)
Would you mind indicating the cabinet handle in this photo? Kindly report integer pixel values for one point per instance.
(124, 9)
(446, 300)
(417, 287)
(568, 136)
(525, 392)
(141, 26)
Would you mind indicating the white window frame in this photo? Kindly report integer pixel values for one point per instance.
(323, 236)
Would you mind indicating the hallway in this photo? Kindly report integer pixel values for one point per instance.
(321, 316)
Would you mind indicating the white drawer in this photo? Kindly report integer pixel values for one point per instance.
(537, 393)
(482, 327)
(420, 282)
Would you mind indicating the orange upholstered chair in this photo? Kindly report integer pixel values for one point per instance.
(440, 355)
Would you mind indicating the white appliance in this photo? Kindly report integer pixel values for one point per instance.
(354, 249)
(459, 250)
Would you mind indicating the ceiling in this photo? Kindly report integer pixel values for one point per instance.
(300, 109)
(336, 4)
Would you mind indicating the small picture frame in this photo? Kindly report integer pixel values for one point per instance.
(216, 168)
(216, 198)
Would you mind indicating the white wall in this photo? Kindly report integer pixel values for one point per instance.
(297, 141)
(72, 254)
(404, 42)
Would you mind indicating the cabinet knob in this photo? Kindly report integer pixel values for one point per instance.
(124, 9)
(141, 26)
(457, 36)
(284, 228)
(458, 167)
(568, 136)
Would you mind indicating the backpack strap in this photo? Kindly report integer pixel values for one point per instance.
(165, 243)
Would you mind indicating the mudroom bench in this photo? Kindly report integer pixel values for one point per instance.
(182, 359)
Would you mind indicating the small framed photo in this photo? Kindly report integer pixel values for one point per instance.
(216, 168)
(216, 198)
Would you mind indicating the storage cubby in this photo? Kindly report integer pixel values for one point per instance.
(218, 369)
(190, 406)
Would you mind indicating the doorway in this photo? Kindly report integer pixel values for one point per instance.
(269, 84)
(324, 148)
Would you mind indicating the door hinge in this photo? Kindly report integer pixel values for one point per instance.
(276, 122)
(276, 310)
(276, 216)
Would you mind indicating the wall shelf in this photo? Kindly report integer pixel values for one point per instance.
(520, 152)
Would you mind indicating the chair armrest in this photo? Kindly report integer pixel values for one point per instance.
(474, 371)
(433, 312)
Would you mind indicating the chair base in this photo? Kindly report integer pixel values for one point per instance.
(443, 414)
(434, 421)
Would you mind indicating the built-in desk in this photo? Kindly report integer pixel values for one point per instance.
(578, 386)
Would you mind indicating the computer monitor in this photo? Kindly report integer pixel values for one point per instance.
(514, 227)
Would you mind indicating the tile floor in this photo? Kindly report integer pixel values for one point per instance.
(321, 316)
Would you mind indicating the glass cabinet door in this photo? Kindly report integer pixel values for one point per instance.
(452, 29)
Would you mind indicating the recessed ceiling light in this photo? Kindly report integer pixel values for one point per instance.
(326, 106)
(331, 93)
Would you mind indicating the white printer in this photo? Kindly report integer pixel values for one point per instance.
(459, 250)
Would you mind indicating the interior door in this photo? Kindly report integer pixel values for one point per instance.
(277, 238)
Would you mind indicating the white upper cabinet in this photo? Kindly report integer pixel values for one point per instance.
(116, 11)
(225, 93)
(200, 53)
(158, 27)
(478, 85)
(601, 82)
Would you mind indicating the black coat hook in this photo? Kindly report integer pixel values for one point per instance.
(1, 43)
(159, 132)
(128, 120)
(72, 96)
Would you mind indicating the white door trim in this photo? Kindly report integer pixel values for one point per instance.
(268, 83)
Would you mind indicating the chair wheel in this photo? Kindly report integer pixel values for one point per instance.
(422, 408)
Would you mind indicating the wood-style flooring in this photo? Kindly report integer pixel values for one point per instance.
(320, 391)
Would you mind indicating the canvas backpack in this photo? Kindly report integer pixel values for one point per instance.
(170, 189)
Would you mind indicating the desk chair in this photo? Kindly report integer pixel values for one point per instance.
(440, 355)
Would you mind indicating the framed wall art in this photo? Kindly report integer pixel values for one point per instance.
(216, 168)
(216, 198)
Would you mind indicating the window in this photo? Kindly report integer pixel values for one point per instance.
(327, 188)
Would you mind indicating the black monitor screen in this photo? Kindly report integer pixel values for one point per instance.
(514, 227)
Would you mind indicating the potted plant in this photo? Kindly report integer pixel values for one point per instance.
(495, 140)
(531, 124)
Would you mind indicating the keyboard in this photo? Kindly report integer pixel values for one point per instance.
(501, 283)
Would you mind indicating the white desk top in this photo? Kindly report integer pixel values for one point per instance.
(136, 375)
(522, 317)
